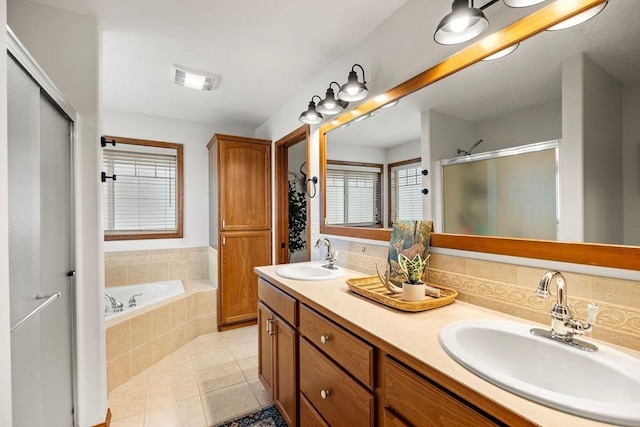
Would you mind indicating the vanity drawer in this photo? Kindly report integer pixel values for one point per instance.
(278, 301)
(422, 403)
(347, 402)
(354, 355)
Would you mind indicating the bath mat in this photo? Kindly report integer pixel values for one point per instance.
(267, 417)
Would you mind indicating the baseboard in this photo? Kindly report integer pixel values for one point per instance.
(107, 420)
(237, 325)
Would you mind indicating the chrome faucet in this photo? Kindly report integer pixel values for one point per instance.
(132, 300)
(116, 305)
(563, 324)
(331, 255)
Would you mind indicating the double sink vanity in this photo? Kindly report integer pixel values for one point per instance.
(331, 357)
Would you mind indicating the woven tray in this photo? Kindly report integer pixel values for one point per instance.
(372, 288)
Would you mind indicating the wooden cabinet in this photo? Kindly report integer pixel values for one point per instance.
(339, 399)
(352, 354)
(320, 372)
(240, 222)
(419, 402)
(278, 357)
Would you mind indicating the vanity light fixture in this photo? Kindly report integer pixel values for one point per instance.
(194, 79)
(311, 116)
(579, 18)
(502, 53)
(464, 23)
(331, 105)
(391, 104)
(521, 3)
(353, 90)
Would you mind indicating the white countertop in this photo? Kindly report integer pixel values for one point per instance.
(416, 335)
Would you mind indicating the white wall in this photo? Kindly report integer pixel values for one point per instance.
(536, 124)
(67, 46)
(194, 137)
(5, 338)
(602, 155)
(631, 160)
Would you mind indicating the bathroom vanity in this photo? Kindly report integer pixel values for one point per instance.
(330, 357)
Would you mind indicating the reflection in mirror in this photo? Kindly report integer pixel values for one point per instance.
(510, 192)
(580, 86)
(371, 166)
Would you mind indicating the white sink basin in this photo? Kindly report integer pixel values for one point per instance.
(602, 385)
(308, 271)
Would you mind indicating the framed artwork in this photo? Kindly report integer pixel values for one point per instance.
(409, 238)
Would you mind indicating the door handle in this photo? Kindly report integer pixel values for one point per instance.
(49, 299)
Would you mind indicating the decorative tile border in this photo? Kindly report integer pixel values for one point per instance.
(511, 289)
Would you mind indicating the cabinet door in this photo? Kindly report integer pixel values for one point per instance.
(245, 185)
(285, 394)
(265, 347)
(239, 253)
(422, 403)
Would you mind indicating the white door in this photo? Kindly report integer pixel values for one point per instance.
(40, 254)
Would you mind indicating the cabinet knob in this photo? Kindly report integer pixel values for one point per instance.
(325, 394)
(325, 339)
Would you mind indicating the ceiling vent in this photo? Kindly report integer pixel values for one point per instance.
(195, 79)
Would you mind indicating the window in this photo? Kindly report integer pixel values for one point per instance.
(144, 201)
(353, 194)
(405, 190)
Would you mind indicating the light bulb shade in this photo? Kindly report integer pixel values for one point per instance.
(521, 3)
(579, 18)
(353, 90)
(462, 24)
(330, 105)
(502, 53)
(311, 116)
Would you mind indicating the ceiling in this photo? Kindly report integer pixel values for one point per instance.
(265, 51)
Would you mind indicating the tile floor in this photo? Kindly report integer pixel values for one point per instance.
(212, 379)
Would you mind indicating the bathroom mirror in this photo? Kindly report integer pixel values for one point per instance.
(517, 100)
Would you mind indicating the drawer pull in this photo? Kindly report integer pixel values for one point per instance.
(325, 339)
(325, 394)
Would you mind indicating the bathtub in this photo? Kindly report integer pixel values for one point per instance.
(151, 294)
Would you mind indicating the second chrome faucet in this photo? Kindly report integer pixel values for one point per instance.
(331, 255)
(564, 326)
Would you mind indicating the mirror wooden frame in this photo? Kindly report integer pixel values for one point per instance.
(614, 256)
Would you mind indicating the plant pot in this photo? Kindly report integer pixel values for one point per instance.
(413, 292)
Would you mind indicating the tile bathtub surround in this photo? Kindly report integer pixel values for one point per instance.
(142, 339)
(510, 289)
(133, 267)
(212, 379)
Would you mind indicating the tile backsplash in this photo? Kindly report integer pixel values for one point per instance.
(510, 288)
(146, 266)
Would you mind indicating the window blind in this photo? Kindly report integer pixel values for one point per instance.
(405, 183)
(353, 194)
(143, 196)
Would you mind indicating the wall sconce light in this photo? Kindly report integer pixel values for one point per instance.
(502, 53)
(331, 105)
(311, 116)
(353, 90)
(521, 3)
(464, 23)
(579, 18)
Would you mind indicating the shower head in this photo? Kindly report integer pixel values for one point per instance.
(470, 150)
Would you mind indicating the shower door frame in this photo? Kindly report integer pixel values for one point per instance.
(21, 55)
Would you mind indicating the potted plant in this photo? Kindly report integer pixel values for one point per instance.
(413, 289)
